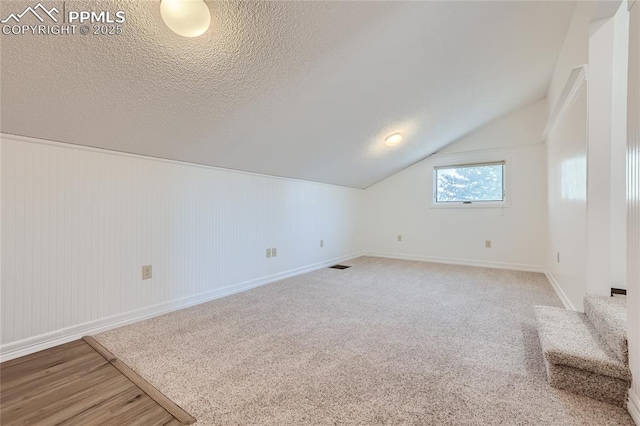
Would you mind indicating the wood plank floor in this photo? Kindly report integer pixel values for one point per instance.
(72, 384)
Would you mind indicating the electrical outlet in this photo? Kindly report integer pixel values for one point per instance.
(321, 243)
(146, 272)
(268, 253)
(487, 243)
(399, 237)
(274, 252)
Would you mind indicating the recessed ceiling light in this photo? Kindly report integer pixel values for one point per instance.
(393, 139)
(188, 18)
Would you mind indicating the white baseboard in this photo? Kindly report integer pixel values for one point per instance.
(634, 406)
(44, 341)
(462, 262)
(563, 297)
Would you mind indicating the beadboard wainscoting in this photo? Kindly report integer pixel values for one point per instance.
(79, 223)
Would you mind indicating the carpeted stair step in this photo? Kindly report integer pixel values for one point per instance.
(609, 316)
(578, 359)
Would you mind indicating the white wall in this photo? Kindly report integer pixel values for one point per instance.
(596, 37)
(633, 211)
(566, 256)
(600, 84)
(619, 149)
(401, 204)
(608, 51)
(574, 52)
(78, 224)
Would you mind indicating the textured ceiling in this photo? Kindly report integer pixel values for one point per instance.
(298, 89)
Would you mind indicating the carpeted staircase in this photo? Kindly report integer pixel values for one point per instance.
(586, 353)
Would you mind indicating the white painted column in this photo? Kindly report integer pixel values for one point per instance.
(599, 157)
(619, 149)
(633, 208)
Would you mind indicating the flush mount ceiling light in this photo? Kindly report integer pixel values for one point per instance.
(188, 18)
(393, 139)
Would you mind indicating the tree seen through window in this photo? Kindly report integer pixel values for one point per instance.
(470, 183)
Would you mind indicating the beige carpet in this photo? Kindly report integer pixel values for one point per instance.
(384, 342)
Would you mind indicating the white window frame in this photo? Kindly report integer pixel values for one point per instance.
(473, 204)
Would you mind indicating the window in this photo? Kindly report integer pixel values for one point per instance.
(470, 183)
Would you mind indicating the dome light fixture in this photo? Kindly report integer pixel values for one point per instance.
(393, 139)
(188, 18)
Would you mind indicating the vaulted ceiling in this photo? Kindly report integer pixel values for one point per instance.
(306, 90)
